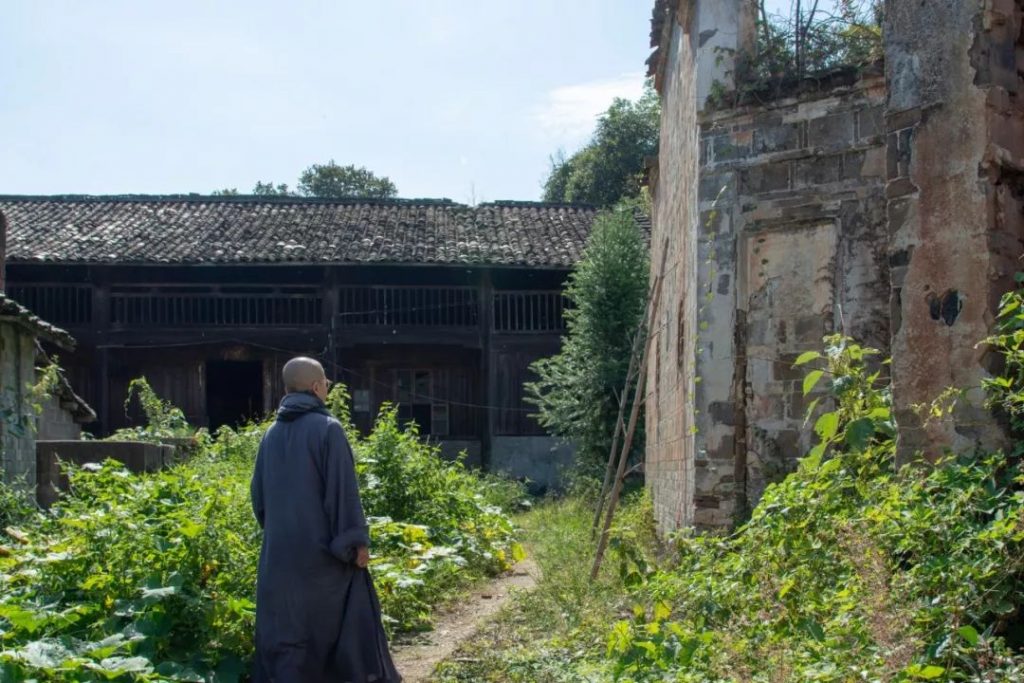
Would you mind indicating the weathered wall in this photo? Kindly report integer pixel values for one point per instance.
(542, 460)
(791, 247)
(669, 456)
(17, 418)
(956, 153)
(57, 423)
(888, 208)
(774, 217)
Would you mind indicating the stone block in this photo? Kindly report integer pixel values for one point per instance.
(830, 132)
(779, 138)
(784, 370)
(817, 171)
(770, 177)
(871, 122)
(726, 148)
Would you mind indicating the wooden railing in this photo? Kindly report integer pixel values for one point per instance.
(409, 306)
(529, 312)
(167, 307)
(63, 305)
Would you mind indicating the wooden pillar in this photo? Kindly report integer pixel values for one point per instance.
(488, 371)
(329, 302)
(101, 327)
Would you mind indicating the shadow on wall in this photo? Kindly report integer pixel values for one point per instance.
(541, 460)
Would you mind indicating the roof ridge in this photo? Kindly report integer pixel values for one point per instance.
(539, 204)
(228, 199)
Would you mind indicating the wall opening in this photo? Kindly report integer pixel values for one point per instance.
(234, 392)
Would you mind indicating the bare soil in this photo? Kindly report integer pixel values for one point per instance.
(417, 656)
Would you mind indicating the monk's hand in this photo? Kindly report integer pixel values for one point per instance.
(362, 557)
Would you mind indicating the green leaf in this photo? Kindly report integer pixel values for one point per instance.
(827, 426)
(859, 433)
(805, 358)
(969, 634)
(811, 380)
(929, 673)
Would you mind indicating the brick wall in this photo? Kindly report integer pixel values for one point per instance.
(669, 462)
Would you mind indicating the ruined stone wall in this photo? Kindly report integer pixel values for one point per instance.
(791, 247)
(774, 217)
(890, 208)
(956, 154)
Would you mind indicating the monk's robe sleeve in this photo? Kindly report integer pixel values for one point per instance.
(256, 488)
(341, 497)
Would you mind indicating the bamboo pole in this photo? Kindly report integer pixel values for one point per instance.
(627, 444)
(645, 324)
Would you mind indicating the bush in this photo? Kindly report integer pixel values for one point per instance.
(848, 570)
(152, 577)
(577, 391)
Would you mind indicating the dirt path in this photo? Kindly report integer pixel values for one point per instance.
(416, 658)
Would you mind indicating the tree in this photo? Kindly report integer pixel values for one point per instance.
(332, 180)
(611, 166)
(577, 390)
(226, 192)
(327, 180)
(270, 190)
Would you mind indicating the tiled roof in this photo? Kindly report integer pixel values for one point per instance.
(197, 229)
(13, 311)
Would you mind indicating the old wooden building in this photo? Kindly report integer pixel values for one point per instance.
(434, 306)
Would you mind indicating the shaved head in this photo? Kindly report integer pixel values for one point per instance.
(300, 374)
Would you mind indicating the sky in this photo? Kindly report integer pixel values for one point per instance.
(448, 98)
(464, 99)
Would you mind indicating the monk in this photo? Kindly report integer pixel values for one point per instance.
(318, 619)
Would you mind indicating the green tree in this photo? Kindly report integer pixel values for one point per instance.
(577, 390)
(226, 192)
(332, 180)
(611, 166)
(271, 190)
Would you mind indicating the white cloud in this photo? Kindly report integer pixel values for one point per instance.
(569, 112)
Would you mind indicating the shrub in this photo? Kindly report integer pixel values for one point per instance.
(848, 570)
(152, 577)
(577, 390)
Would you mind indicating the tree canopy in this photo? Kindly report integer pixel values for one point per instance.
(576, 390)
(329, 180)
(611, 166)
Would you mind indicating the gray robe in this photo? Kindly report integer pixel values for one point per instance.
(318, 619)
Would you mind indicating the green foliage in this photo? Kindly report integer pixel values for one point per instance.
(847, 570)
(332, 180)
(15, 507)
(152, 577)
(262, 189)
(577, 391)
(813, 38)
(556, 631)
(610, 167)
(165, 422)
(1006, 390)
(329, 180)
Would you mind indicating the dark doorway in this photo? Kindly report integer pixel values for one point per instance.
(234, 392)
